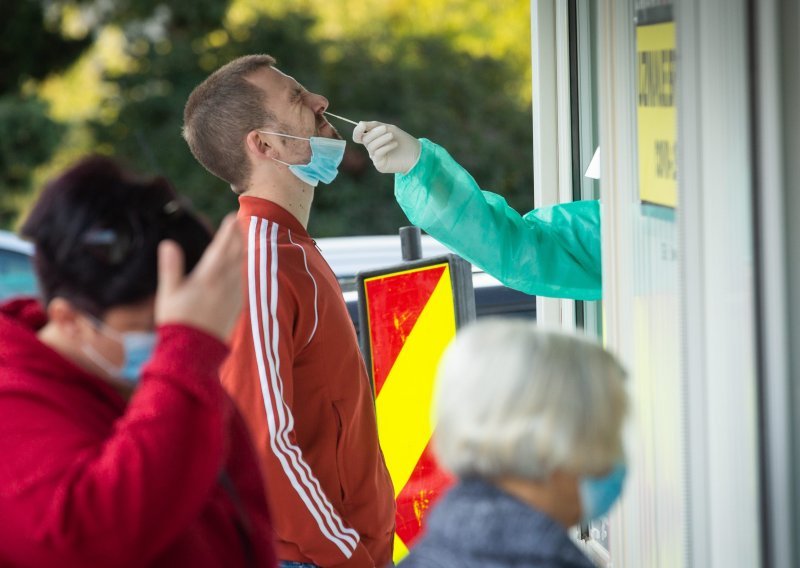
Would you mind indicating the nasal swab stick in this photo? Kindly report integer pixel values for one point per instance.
(341, 118)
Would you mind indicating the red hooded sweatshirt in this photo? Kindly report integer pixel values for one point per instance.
(88, 479)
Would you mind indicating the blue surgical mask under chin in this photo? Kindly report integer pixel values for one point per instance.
(326, 155)
(137, 346)
(598, 494)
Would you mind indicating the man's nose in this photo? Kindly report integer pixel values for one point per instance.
(317, 103)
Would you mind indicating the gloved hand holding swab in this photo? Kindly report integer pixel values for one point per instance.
(391, 149)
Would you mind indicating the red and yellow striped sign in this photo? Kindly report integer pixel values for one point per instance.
(411, 318)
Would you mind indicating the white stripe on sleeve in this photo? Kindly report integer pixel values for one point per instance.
(279, 419)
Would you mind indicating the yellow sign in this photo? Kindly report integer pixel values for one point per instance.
(412, 318)
(657, 120)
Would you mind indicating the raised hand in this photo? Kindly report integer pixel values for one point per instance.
(210, 297)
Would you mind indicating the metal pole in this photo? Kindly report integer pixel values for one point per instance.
(411, 243)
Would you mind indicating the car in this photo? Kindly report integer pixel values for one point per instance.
(17, 276)
(348, 256)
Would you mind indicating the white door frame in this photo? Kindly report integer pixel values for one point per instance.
(715, 188)
(552, 134)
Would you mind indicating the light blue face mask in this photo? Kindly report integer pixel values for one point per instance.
(137, 346)
(326, 155)
(598, 494)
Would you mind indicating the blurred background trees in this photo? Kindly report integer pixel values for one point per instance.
(112, 76)
(31, 48)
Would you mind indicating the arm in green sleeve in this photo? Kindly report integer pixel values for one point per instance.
(551, 251)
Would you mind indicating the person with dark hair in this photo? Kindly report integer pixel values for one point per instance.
(119, 446)
(295, 368)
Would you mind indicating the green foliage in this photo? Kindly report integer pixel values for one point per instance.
(424, 86)
(27, 138)
(432, 91)
(422, 78)
(197, 15)
(28, 48)
(146, 133)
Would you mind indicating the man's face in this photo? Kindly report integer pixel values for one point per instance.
(297, 110)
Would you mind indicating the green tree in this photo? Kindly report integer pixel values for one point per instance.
(443, 69)
(151, 97)
(424, 85)
(31, 47)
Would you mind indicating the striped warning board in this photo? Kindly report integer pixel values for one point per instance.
(409, 314)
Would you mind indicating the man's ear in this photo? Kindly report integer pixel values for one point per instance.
(258, 146)
(66, 318)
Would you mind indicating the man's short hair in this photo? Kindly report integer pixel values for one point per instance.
(512, 400)
(219, 114)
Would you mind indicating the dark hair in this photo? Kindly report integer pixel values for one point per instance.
(219, 114)
(96, 230)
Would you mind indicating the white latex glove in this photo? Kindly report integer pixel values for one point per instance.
(391, 150)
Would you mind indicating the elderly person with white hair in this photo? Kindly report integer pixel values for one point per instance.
(531, 423)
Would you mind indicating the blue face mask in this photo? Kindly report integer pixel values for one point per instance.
(598, 494)
(137, 346)
(326, 155)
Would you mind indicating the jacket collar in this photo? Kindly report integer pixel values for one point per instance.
(483, 521)
(266, 209)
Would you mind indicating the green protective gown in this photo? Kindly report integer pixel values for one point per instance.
(551, 251)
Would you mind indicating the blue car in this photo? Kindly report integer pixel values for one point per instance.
(17, 277)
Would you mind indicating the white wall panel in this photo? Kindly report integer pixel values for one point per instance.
(717, 237)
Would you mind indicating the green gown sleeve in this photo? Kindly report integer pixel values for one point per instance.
(551, 251)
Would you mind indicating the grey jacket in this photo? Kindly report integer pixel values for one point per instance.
(478, 525)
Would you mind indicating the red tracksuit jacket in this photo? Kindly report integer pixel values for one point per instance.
(297, 374)
(90, 480)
